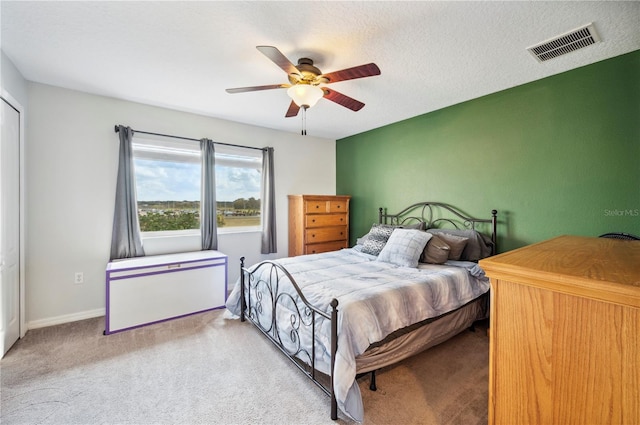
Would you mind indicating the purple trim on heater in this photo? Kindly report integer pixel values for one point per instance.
(223, 259)
(106, 316)
(219, 261)
(162, 320)
(226, 282)
(180, 269)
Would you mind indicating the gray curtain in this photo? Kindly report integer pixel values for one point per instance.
(208, 219)
(268, 196)
(125, 236)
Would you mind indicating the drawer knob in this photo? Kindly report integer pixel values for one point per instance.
(313, 221)
(317, 206)
(313, 236)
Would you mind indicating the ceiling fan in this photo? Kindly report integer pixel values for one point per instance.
(305, 79)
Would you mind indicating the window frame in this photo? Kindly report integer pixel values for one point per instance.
(153, 148)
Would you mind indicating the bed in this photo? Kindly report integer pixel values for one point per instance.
(410, 283)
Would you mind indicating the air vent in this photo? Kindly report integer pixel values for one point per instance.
(565, 43)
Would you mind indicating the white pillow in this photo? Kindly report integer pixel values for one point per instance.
(404, 247)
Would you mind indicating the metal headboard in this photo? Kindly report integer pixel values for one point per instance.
(424, 212)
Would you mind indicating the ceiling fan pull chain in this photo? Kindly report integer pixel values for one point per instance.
(304, 121)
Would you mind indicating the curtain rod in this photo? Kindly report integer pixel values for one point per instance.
(117, 129)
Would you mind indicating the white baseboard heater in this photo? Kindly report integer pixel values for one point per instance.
(146, 290)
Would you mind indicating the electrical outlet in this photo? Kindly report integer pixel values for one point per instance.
(79, 278)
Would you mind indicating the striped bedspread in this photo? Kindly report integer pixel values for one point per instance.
(375, 299)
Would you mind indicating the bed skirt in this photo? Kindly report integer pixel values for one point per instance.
(395, 349)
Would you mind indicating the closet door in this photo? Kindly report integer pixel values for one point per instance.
(9, 227)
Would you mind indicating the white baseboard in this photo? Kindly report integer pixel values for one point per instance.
(58, 320)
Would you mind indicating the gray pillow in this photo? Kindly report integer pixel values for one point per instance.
(404, 247)
(435, 252)
(376, 239)
(360, 241)
(478, 246)
(456, 244)
(420, 225)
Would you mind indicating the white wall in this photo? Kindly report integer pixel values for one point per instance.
(12, 81)
(71, 164)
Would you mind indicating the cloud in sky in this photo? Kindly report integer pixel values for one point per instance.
(233, 183)
(180, 181)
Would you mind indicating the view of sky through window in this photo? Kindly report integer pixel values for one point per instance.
(168, 187)
(167, 180)
(180, 181)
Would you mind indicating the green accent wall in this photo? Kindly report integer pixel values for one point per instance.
(556, 156)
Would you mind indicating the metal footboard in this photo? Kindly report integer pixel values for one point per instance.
(264, 299)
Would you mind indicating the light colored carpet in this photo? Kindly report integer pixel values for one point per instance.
(205, 369)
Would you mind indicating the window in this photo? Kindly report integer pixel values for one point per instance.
(168, 187)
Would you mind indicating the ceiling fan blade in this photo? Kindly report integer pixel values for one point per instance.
(293, 110)
(341, 99)
(368, 70)
(279, 59)
(258, 88)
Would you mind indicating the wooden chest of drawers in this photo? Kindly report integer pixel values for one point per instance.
(565, 320)
(318, 223)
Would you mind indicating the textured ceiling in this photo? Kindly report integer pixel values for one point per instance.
(183, 55)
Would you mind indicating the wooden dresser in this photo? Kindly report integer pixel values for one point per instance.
(318, 223)
(565, 333)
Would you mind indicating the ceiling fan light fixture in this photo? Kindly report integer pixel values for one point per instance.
(305, 95)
